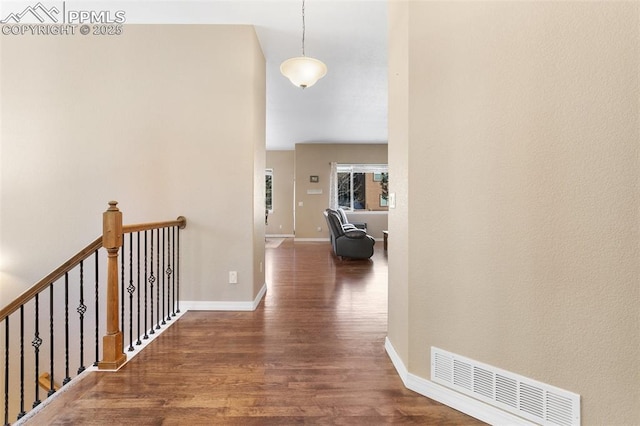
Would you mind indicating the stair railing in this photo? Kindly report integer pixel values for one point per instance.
(148, 261)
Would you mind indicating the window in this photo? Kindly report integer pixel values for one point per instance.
(268, 190)
(362, 186)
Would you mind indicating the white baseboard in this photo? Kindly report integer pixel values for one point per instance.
(279, 236)
(311, 240)
(396, 361)
(259, 296)
(451, 398)
(225, 306)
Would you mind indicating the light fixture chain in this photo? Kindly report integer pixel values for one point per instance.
(303, 28)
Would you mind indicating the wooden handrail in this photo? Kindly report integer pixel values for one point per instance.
(53, 276)
(180, 222)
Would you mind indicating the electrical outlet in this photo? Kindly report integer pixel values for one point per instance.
(233, 277)
(319, 228)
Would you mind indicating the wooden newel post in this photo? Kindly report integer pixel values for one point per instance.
(112, 354)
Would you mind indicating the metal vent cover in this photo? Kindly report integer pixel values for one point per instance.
(519, 395)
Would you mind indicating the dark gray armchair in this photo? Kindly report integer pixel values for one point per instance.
(348, 242)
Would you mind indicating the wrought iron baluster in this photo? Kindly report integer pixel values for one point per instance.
(152, 279)
(81, 310)
(169, 272)
(159, 283)
(122, 288)
(6, 371)
(130, 289)
(138, 342)
(178, 271)
(22, 412)
(164, 258)
(173, 276)
(51, 346)
(97, 331)
(146, 278)
(67, 379)
(36, 342)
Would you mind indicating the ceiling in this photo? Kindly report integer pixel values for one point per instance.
(349, 105)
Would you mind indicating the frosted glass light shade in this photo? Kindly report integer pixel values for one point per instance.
(303, 71)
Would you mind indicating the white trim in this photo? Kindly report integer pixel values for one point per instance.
(279, 236)
(311, 240)
(259, 296)
(465, 404)
(396, 360)
(224, 305)
(451, 398)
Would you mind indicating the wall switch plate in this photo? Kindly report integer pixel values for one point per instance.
(233, 277)
(392, 200)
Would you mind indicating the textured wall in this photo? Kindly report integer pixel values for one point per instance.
(257, 125)
(145, 118)
(523, 172)
(399, 225)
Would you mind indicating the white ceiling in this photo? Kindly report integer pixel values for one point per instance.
(349, 105)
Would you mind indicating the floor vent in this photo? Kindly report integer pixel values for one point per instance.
(535, 401)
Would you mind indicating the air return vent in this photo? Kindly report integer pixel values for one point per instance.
(535, 401)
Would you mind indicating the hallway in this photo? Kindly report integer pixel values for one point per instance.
(312, 353)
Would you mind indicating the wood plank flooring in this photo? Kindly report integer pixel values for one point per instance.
(312, 353)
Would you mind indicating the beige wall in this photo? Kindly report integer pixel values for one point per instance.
(315, 160)
(283, 165)
(162, 119)
(257, 119)
(398, 253)
(523, 163)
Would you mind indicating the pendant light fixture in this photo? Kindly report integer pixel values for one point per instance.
(303, 71)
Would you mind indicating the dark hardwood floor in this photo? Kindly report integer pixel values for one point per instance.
(312, 353)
